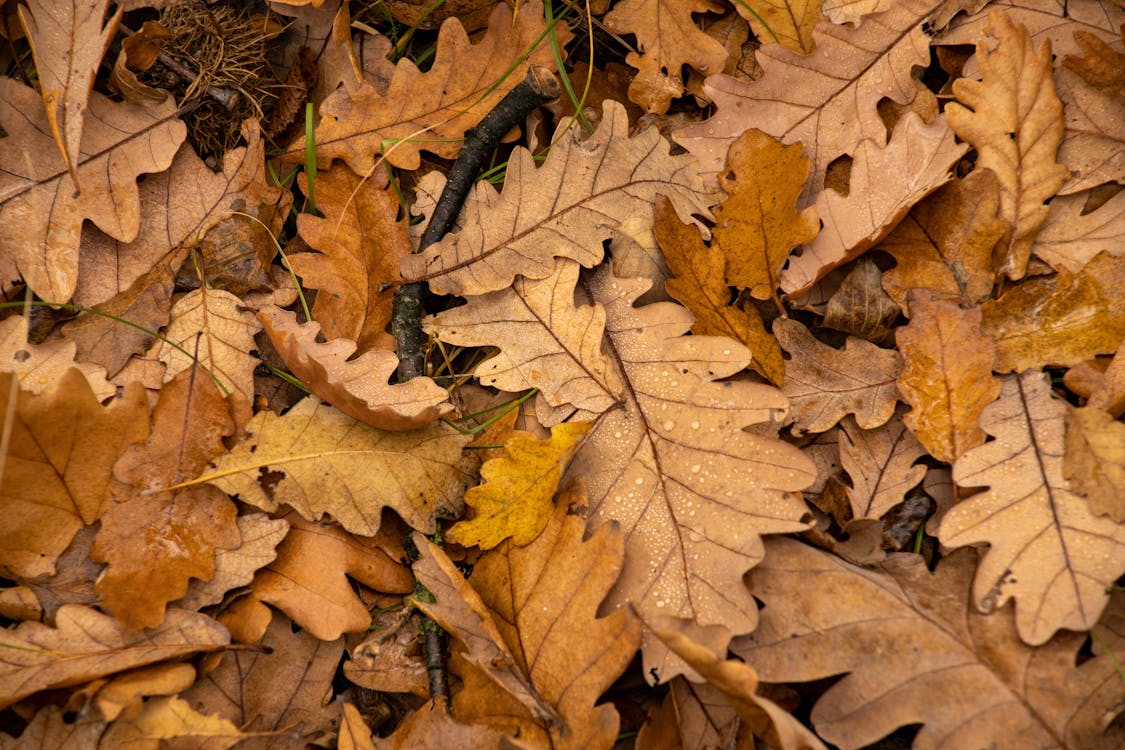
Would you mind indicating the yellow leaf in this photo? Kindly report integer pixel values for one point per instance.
(514, 500)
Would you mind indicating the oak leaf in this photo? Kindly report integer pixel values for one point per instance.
(42, 213)
(67, 41)
(39, 366)
(1048, 550)
(886, 181)
(698, 284)
(358, 387)
(85, 644)
(945, 243)
(824, 384)
(260, 536)
(432, 110)
(432, 725)
(168, 720)
(1095, 460)
(1014, 119)
(1091, 146)
(58, 471)
(545, 340)
(1070, 238)
(860, 306)
(542, 600)
(1102, 66)
(834, 108)
(565, 208)
(318, 460)
(513, 500)
(692, 715)
(360, 246)
(948, 375)
(971, 682)
(1059, 320)
(881, 464)
(788, 22)
(667, 39)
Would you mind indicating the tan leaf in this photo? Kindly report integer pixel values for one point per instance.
(853, 11)
(860, 306)
(971, 682)
(236, 567)
(1061, 319)
(168, 720)
(823, 384)
(1095, 460)
(85, 644)
(1102, 66)
(1091, 147)
(885, 183)
(319, 460)
(360, 246)
(692, 715)
(698, 284)
(565, 208)
(59, 467)
(1070, 239)
(39, 366)
(434, 726)
(39, 208)
(1048, 551)
(545, 341)
(358, 387)
(948, 375)
(738, 683)
(789, 22)
(543, 601)
(74, 581)
(432, 110)
(675, 465)
(668, 39)
(834, 108)
(67, 42)
(125, 691)
(53, 727)
(1014, 119)
(881, 464)
(758, 224)
(945, 243)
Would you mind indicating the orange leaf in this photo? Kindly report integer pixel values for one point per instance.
(1095, 460)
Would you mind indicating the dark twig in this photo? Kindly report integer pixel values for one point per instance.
(537, 88)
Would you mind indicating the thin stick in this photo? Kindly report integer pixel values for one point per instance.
(537, 88)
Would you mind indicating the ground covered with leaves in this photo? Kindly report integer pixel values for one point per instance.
(772, 375)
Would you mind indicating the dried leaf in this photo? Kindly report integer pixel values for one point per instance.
(860, 306)
(693, 715)
(1014, 120)
(39, 366)
(85, 644)
(789, 22)
(1070, 239)
(970, 683)
(59, 467)
(698, 284)
(168, 720)
(824, 384)
(881, 464)
(391, 659)
(1091, 147)
(513, 499)
(948, 375)
(40, 209)
(885, 183)
(668, 39)
(433, 725)
(52, 727)
(1059, 320)
(565, 208)
(1095, 460)
(260, 536)
(1048, 551)
(358, 387)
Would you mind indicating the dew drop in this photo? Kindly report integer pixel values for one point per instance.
(669, 425)
(695, 425)
(695, 468)
(639, 481)
(661, 603)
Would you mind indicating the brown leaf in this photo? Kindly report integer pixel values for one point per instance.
(85, 644)
(52, 727)
(881, 464)
(971, 682)
(698, 284)
(789, 22)
(823, 384)
(138, 53)
(40, 209)
(834, 108)
(235, 567)
(361, 245)
(565, 208)
(67, 41)
(432, 110)
(693, 715)
(1070, 238)
(945, 243)
(1091, 147)
(433, 725)
(1059, 320)
(74, 581)
(124, 692)
(1048, 551)
(1103, 67)
(860, 306)
(1014, 119)
(168, 720)
(59, 467)
(948, 375)
(668, 39)
(886, 181)
(358, 387)
(319, 460)
(391, 659)
(39, 366)
(1095, 460)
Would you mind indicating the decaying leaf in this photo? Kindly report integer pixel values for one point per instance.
(1070, 238)
(433, 725)
(1095, 460)
(260, 536)
(1091, 147)
(881, 464)
(170, 720)
(565, 208)
(790, 22)
(319, 460)
(860, 306)
(358, 387)
(1048, 550)
(40, 366)
(1014, 119)
(970, 681)
(513, 500)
